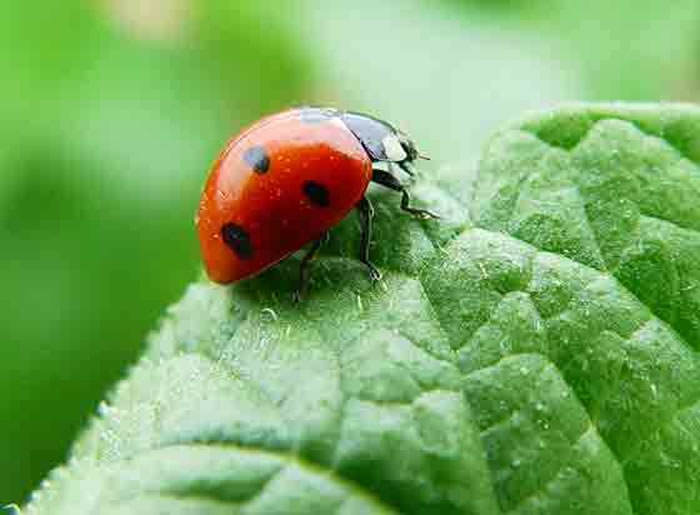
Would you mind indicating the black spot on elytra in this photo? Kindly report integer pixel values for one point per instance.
(257, 159)
(237, 240)
(317, 193)
(314, 115)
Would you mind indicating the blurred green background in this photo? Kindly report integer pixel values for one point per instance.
(112, 111)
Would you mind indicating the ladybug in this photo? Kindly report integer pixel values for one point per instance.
(287, 180)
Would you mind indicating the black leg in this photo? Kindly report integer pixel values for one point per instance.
(366, 211)
(304, 268)
(391, 182)
(406, 168)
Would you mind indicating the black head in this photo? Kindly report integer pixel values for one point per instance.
(381, 141)
(408, 147)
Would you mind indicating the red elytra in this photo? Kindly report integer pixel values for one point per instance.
(287, 179)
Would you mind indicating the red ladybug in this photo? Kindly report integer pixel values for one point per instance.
(290, 177)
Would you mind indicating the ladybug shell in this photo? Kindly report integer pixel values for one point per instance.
(277, 186)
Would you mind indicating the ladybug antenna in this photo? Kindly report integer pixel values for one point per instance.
(423, 156)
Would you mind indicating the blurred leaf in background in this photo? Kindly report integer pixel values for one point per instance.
(447, 76)
(113, 109)
(643, 50)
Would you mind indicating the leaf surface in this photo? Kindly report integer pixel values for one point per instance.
(534, 352)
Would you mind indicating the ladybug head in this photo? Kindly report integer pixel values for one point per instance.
(408, 147)
(381, 141)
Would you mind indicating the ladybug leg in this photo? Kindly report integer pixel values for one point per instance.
(304, 268)
(391, 182)
(366, 211)
(406, 168)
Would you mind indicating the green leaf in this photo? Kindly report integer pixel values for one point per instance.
(534, 352)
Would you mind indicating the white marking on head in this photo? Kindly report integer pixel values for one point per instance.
(393, 149)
